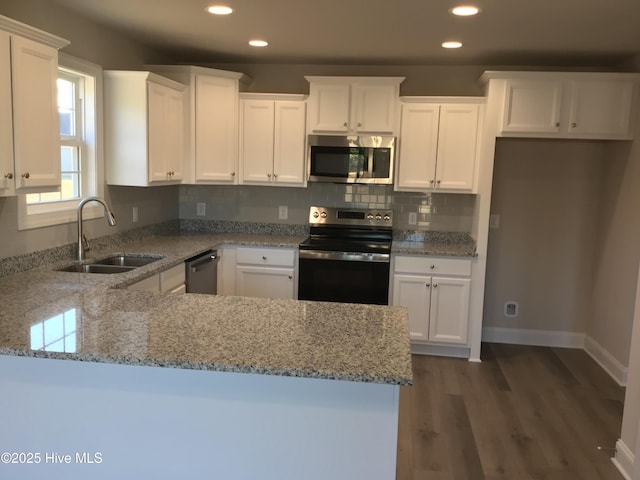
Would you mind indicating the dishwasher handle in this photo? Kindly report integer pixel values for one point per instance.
(209, 257)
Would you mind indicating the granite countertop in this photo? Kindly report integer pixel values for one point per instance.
(435, 243)
(101, 321)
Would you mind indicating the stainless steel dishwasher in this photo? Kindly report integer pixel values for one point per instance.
(201, 273)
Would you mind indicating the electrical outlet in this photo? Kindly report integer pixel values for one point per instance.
(135, 214)
(494, 221)
(511, 309)
(283, 212)
(201, 209)
(413, 218)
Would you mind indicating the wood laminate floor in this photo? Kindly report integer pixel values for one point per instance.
(523, 413)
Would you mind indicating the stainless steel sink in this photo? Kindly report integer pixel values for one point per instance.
(128, 260)
(93, 268)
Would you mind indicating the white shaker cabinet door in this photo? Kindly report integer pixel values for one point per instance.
(289, 143)
(216, 125)
(532, 106)
(265, 282)
(256, 147)
(374, 108)
(329, 106)
(414, 292)
(7, 172)
(35, 115)
(418, 146)
(449, 312)
(457, 145)
(601, 108)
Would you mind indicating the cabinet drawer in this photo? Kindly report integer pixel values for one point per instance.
(435, 265)
(172, 278)
(266, 256)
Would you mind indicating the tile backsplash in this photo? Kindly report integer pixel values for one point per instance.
(435, 212)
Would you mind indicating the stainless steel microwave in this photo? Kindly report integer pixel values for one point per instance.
(351, 159)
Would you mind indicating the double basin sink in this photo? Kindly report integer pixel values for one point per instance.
(113, 264)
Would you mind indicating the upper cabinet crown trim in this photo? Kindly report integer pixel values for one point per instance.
(13, 26)
(538, 75)
(356, 80)
(443, 99)
(196, 70)
(273, 96)
(148, 76)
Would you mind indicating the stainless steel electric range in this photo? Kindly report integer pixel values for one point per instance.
(346, 258)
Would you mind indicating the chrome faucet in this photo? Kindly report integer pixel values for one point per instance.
(82, 241)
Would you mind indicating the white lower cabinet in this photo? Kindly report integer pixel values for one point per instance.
(265, 272)
(436, 291)
(171, 280)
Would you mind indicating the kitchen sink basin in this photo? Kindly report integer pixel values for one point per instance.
(128, 260)
(93, 268)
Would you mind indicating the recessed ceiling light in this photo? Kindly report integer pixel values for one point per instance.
(465, 10)
(452, 44)
(258, 43)
(220, 9)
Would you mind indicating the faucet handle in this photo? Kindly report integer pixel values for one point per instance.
(85, 242)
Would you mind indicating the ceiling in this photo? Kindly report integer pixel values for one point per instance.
(506, 32)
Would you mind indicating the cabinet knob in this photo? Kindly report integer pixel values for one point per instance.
(438, 182)
(345, 124)
(557, 124)
(9, 175)
(432, 267)
(275, 175)
(264, 257)
(359, 124)
(435, 285)
(268, 175)
(573, 125)
(431, 181)
(290, 277)
(428, 284)
(25, 175)
(233, 174)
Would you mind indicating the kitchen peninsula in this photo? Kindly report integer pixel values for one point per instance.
(249, 387)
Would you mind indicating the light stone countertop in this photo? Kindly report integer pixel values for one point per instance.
(352, 342)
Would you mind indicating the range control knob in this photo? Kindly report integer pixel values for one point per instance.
(315, 214)
(370, 216)
(386, 217)
(378, 217)
(323, 214)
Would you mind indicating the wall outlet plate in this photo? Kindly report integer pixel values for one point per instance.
(283, 212)
(201, 209)
(511, 309)
(413, 218)
(134, 214)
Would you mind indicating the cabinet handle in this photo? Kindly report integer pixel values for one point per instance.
(25, 175)
(9, 175)
(557, 124)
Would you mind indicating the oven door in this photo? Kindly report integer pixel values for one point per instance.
(344, 277)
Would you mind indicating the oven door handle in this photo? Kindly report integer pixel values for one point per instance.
(344, 256)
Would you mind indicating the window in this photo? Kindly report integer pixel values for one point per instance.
(79, 90)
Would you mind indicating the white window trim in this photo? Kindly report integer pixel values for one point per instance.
(66, 212)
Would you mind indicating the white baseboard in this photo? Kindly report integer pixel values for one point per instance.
(624, 460)
(542, 338)
(608, 362)
(439, 350)
(550, 338)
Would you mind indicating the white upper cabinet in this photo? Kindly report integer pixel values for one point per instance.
(28, 109)
(353, 105)
(438, 145)
(144, 128)
(212, 122)
(567, 105)
(272, 140)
